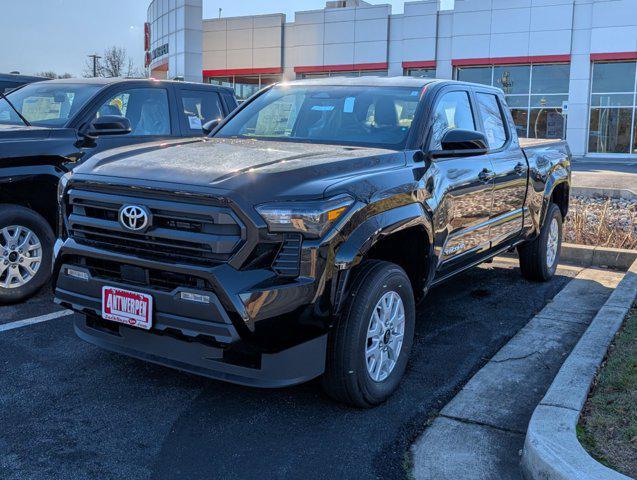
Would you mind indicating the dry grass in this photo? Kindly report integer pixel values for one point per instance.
(602, 222)
(608, 426)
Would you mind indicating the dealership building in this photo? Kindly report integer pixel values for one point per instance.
(567, 67)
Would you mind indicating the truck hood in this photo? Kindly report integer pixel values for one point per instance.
(255, 169)
(18, 142)
(12, 133)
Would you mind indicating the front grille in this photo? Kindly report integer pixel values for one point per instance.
(180, 231)
(156, 279)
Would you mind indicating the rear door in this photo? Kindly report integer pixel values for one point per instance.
(509, 166)
(464, 190)
(197, 107)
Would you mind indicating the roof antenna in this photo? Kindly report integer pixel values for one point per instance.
(220, 10)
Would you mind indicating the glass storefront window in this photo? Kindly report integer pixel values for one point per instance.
(612, 126)
(610, 130)
(550, 78)
(349, 73)
(534, 93)
(482, 75)
(245, 85)
(546, 123)
(512, 79)
(421, 72)
(614, 77)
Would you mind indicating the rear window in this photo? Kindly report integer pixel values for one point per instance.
(199, 107)
(341, 115)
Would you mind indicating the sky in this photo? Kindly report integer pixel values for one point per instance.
(57, 35)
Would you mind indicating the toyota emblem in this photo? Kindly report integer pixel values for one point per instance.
(134, 218)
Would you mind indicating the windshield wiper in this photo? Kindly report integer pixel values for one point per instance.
(26, 122)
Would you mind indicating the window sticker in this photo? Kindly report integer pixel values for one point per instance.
(195, 122)
(323, 108)
(348, 105)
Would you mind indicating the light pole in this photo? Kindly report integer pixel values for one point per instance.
(95, 58)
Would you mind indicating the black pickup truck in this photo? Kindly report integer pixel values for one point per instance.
(296, 242)
(48, 128)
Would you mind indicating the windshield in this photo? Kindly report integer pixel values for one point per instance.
(46, 105)
(341, 115)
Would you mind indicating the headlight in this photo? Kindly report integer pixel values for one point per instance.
(312, 218)
(64, 180)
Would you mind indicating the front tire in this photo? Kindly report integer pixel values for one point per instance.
(26, 252)
(369, 346)
(539, 258)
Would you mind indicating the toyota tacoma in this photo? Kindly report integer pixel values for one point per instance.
(295, 242)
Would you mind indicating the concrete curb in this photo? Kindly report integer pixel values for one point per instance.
(551, 449)
(589, 256)
(603, 192)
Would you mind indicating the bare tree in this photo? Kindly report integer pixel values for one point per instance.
(52, 75)
(114, 62)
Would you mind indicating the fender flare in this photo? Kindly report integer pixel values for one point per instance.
(558, 176)
(369, 233)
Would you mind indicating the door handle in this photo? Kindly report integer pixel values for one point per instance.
(520, 168)
(486, 175)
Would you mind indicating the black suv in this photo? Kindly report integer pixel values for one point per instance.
(296, 242)
(48, 128)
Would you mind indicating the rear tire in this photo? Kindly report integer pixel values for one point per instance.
(539, 258)
(369, 346)
(26, 253)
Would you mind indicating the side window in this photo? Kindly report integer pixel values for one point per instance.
(492, 119)
(200, 107)
(146, 108)
(453, 111)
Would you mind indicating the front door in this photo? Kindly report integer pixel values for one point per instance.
(464, 189)
(509, 166)
(147, 109)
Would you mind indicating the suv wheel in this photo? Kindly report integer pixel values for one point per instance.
(26, 249)
(539, 258)
(369, 346)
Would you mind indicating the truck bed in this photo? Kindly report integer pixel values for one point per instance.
(542, 146)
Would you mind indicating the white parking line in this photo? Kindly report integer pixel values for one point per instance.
(31, 321)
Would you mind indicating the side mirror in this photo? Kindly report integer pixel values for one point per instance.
(110, 125)
(462, 143)
(209, 126)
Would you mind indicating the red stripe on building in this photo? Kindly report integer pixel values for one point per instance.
(511, 60)
(614, 56)
(242, 71)
(420, 64)
(341, 68)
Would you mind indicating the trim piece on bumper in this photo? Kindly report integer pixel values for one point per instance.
(295, 365)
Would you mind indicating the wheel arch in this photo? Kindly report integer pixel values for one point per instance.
(35, 190)
(403, 236)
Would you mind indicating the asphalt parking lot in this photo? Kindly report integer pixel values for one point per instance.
(69, 410)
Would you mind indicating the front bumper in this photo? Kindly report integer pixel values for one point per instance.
(289, 367)
(211, 339)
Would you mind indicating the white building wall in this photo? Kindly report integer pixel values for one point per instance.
(511, 28)
(243, 43)
(178, 24)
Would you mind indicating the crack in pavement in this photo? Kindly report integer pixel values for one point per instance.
(522, 357)
(482, 424)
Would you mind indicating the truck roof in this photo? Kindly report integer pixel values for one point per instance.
(110, 81)
(413, 82)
